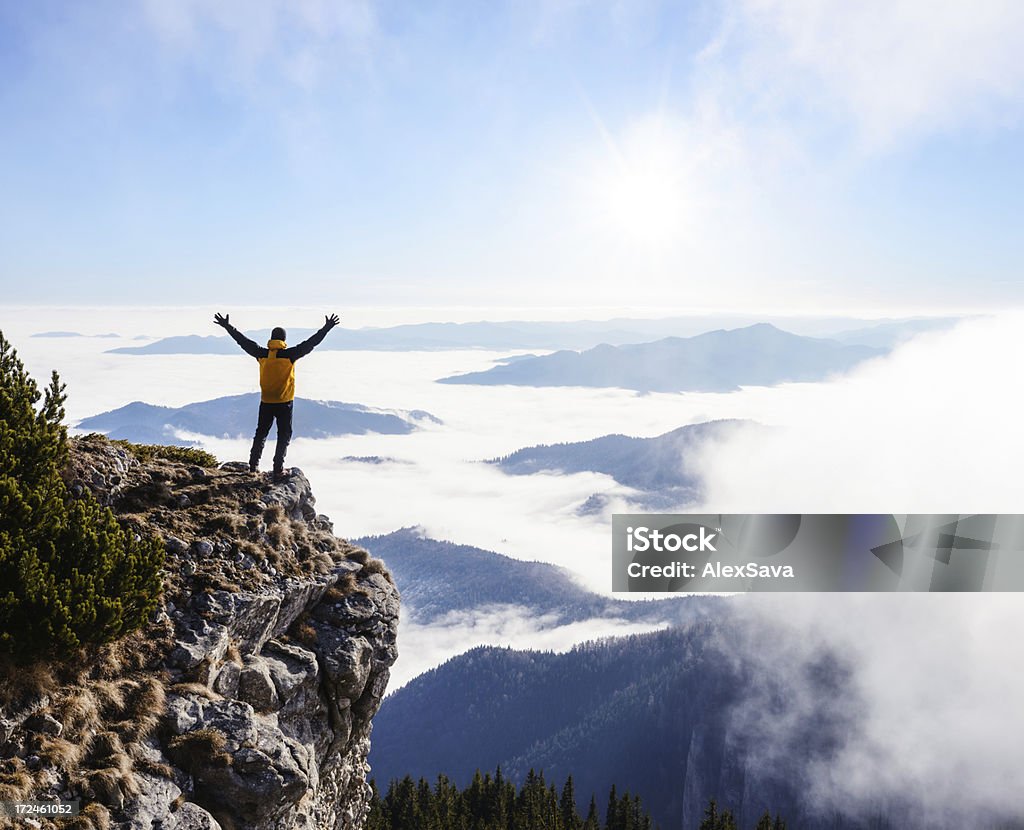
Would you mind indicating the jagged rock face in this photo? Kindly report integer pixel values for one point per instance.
(277, 640)
(284, 742)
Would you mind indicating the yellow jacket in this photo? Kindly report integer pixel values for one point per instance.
(277, 363)
(277, 374)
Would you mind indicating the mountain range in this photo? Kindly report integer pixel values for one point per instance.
(60, 334)
(235, 416)
(717, 361)
(659, 714)
(677, 716)
(662, 468)
(205, 344)
(436, 578)
(543, 335)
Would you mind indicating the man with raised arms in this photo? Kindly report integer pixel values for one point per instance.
(277, 385)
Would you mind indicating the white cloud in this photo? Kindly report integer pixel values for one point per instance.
(934, 695)
(891, 70)
(748, 176)
(933, 428)
(297, 40)
(445, 488)
(937, 680)
(421, 647)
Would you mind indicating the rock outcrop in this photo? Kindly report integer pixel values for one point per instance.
(247, 703)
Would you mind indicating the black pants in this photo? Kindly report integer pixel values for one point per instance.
(270, 412)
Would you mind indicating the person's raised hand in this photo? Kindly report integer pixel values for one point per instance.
(332, 321)
(223, 320)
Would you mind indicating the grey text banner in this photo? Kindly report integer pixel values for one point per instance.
(817, 552)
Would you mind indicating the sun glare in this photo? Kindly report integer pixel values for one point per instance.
(640, 188)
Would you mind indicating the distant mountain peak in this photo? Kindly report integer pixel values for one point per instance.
(660, 468)
(716, 361)
(234, 416)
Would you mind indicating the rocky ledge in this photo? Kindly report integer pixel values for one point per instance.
(247, 702)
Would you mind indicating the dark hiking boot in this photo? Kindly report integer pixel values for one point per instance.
(281, 475)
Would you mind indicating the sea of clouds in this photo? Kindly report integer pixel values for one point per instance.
(933, 427)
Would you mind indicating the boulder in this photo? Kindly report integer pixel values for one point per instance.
(242, 764)
(191, 816)
(255, 685)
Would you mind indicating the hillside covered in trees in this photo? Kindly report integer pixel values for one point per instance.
(495, 803)
(654, 714)
(437, 577)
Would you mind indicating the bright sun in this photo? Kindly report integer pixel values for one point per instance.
(640, 187)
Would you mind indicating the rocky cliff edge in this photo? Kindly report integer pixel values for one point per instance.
(246, 703)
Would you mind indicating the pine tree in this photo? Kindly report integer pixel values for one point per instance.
(494, 804)
(400, 804)
(376, 819)
(639, 819)
(592, 821)
(715, 820)
(69, 573)
(711, 820)
(505, 796)
(425, 804)
(552, 816)
(611, 814)
(567, 806)
(624, 813)
(766, 822)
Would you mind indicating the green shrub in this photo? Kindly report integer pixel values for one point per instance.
(69, 573)
(186, 455)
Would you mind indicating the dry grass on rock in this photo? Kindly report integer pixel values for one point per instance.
(100, 708)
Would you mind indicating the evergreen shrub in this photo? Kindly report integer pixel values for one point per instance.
(69, 573)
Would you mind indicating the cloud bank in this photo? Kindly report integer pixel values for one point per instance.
(885, 70)
(937, 696)
(935, 702)
(933, 428)
(422, 647)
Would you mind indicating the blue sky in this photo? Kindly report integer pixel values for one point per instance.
(747, 153)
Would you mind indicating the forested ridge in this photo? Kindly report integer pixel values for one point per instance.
(495, 803)
(437, 577)
(651, 713)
